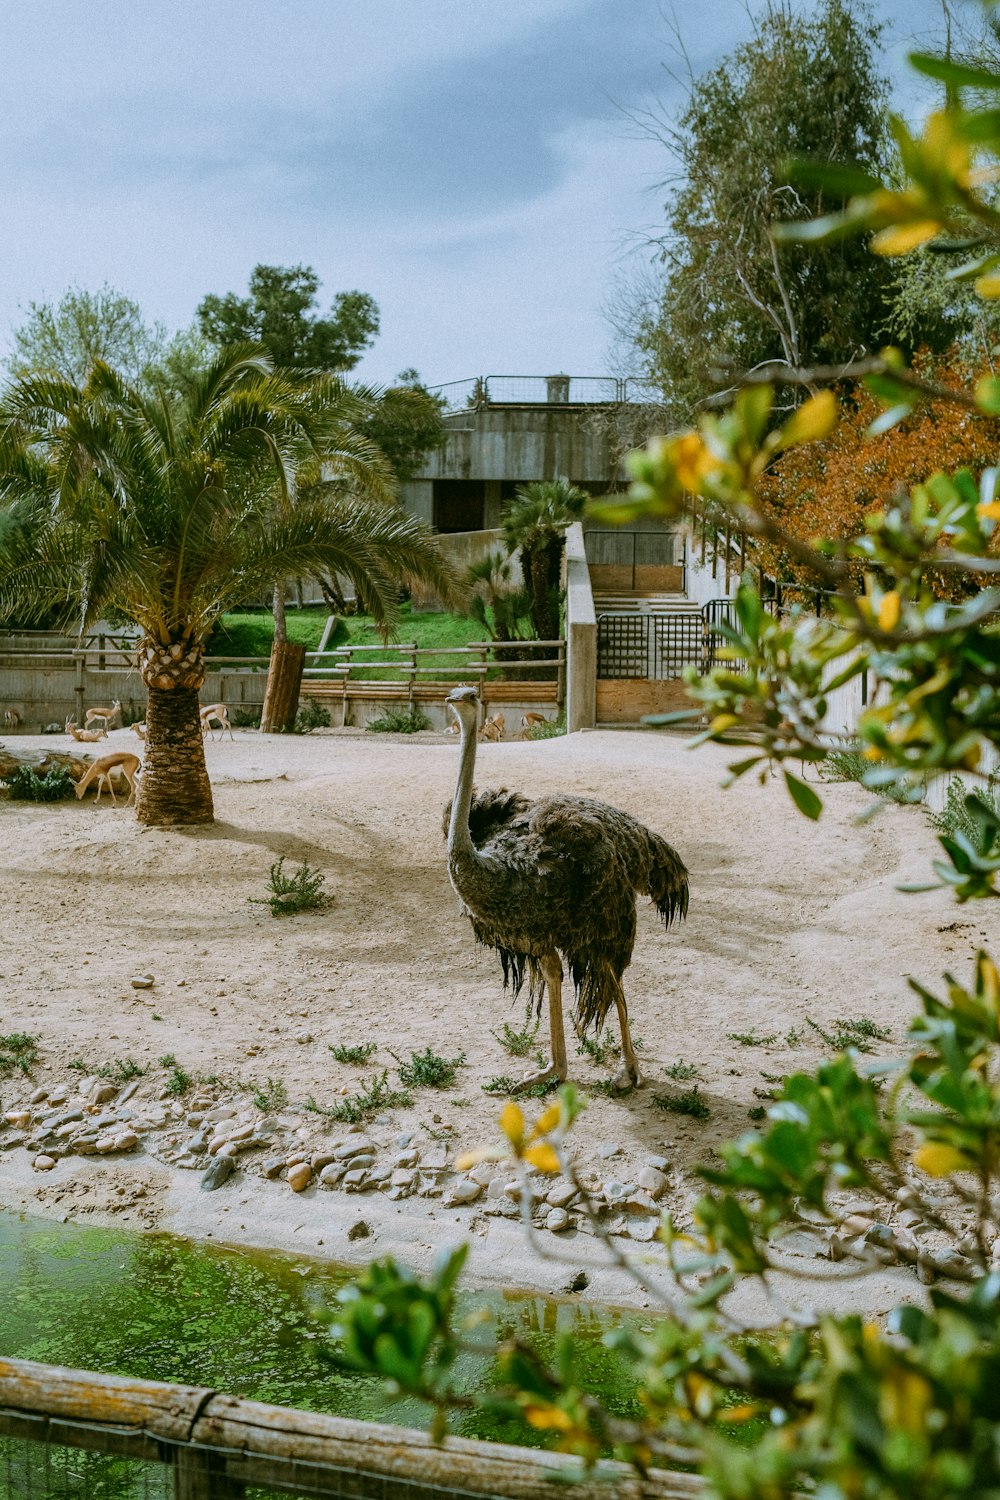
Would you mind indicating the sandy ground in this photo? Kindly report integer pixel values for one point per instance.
(790, 922)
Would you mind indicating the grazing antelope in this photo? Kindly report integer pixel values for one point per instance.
(122, 762)
(88, 736)
(528, 722)
(493, 728)
(220, 713)
(11, 718)
(104, 714)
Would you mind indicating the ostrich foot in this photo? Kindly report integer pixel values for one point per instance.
(625, 1079)
(540, 1075)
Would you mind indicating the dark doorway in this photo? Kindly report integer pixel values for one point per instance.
(459, 504)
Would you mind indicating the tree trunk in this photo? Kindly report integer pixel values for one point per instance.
(284, 678)
(278, 610)
(540, 596)
(174, 785)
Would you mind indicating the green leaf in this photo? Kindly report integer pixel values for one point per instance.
(889, 419)
(803, 796)
(988, 395)
(960, 75)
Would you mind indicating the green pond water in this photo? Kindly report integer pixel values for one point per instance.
(161, 1308)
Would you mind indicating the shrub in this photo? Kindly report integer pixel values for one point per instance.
(311, 715)
(299, 892)
(400, 721)
(427, 1070)
(25, 785)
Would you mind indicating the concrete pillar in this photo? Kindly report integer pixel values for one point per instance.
(581, 637)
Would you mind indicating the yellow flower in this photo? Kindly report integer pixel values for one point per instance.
(548, 1417)
(900, 239)
(512, 1125)
(692, 460)
(990, 510)
(543, 1157)
(548, 1119)
(939, 1161)
(888, 611)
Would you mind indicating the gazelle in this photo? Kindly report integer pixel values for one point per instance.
(88, 736)
(493, 728)
(220, 713)
(140, 730)
(104, 714)
(529, 721)
(123, 762)
(11, 718)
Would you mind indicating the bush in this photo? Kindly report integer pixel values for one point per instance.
(311, 715)
(25, 785)
(957, 816)
(299, 892)
(400, 721)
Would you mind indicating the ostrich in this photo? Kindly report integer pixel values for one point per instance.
(553, 879)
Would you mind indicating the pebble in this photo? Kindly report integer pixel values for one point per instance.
(641, 1229)
(653, 1181)
(354, 1146)
(495, 1189)
(561, 1195)
(321, 1159)
(464, 1190)
(641, 1202)
(299, 1176)
(18, 1117)
(273, 1166)
(332, 1173)
(658, 1163)
(616, 1192)
(607, 1149)
(38, 1096)
(483, 1173)
(407, 1158)
(402, 1177)
(354, 1179)
(359, 1230)
(43, 1163)
(302, 1037)
(854, 1224)
(557, 1220)
(220, 1170)
(142, 981)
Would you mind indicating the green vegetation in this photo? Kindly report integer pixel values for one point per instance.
(359, 1053)
(858, 1034)
(302, 891)
(689, 1103)
(399, 721)
(959, 814)
(311, 715)
(178, 1083)
(251, 633)
(552, 729)
(753, 1038)
(851, 765)
(505, 1086)
(427, 1070)
(681, 1072)
(273, 1095)
(122, 1070)
(518, 1041)
(18, 1053)
(25, 785)
(371, 1100)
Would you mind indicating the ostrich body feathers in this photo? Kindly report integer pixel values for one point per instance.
(561, 874)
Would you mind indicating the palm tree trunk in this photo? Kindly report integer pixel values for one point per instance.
(278, 610)
(281, 695)
(174, 785)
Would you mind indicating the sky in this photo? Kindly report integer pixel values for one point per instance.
(476, 167)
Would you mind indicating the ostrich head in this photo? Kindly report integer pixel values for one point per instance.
(464, 704)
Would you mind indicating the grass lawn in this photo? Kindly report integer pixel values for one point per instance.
(250, 634)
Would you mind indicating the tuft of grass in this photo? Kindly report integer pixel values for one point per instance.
(400, 721)
(25, 785)
(518, 1041)
(368, 1101)
(311, 715)
(291, 893)
(752, 1038)
(245, 718)
(506, 1086)
(356, 1054)
(852, 765)
(18, 1053)
(122, 1070)
(956, 815)
(689, 1103)
(78, 1065)
(680, 1071)
(168, 1060)
(600, 1049)
(274, 1095)
(426, 1070)
(858, 1034)
(757, 1112)
(793, 1037)
(612, 1090)
(178, 1083)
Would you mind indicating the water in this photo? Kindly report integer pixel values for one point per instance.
(160, 1308)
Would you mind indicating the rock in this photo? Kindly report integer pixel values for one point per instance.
(835, 1246)
(354, 1179)
(407, 1158)
(495, 1189)
(607, 1149)
(302, 1037)
(19, 1118)
(378, 1175)
(853, 1225)
(561, 1195)
(402, 1177)
(38, 1096)
(641, 1202)
(364, 1161)
(616, 1192)
(116, 1140)
(220, 1112)
(43, 1163)
(658, 1163)
(142, 981)
(464, 1190)
(359, 1230)
(354, 1146)
(273, 1166)
(579, 1282)
(653, 1181)
(557, 1220)
(640, 1229)
(483, 1172)
(220, 1171)
(299, 1176)
(321, 1159)
(197, 1145)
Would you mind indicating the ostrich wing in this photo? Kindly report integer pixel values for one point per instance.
(491, 810)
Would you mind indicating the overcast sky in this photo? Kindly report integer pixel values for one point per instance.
(469, 164)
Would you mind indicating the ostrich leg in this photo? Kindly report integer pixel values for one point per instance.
(628, 1074)
(552, 973)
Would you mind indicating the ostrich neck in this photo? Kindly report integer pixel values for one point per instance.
(459, 838)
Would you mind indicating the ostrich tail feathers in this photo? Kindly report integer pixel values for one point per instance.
(596, 991)
(668, 879)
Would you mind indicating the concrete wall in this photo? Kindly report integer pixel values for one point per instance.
(520, 444)
(463, 548)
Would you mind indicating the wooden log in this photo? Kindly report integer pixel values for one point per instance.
(42, 761)
(284, 678)
(167, 1411)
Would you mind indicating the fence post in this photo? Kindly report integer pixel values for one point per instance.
(78, 689)
(202, 1476)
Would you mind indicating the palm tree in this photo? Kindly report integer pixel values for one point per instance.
(536, 521)
(162, 508)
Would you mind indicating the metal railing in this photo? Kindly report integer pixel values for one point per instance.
(544, 390)
(81, 1434)
(655, 647)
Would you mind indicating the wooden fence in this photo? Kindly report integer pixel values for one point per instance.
(215, 1445)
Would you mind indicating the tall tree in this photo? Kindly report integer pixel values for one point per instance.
(406, 423)
(536, 521)
(163, 509)
(805, 86)
(279, 313)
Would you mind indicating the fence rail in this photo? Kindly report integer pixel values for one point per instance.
(406, 661)
(545, 390)
(212, 1446)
